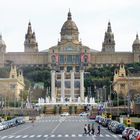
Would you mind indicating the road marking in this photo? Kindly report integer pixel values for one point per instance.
(59, 135)
(66, 135)
(114, 136)
(21, 130)
(101, 135)
(38, 136)
(45, 136)
(107, 135)
(3, 137)
(120, 135)
(10, 137)
(73, 135)
(80, 135)
(52, 136)
(32, 136)
(18, 136)
(25, 136)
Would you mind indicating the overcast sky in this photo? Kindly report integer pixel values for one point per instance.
(90, 16)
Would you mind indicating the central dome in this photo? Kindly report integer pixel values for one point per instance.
(69, 30)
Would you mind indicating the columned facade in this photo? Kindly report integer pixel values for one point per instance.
(53, 96)
(72, 85)
(62, 86)
(82, 85)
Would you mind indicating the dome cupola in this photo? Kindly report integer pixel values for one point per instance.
(136, 41)
(69, 30)
(136, 44)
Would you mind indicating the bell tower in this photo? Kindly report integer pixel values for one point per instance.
(109, 42)
(30, 44)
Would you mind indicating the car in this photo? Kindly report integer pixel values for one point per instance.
(83, 114)
(138, 136)
(133, 135)
(113, 126)
(92, 117)
(1, 126)
(125, 132)
(65, 114)
(119, 128)
(130, 131)
(106, 122)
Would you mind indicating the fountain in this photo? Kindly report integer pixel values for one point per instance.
(70, 100)
(79, 99)
(86, 100)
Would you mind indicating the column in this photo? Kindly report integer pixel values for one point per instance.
(62, 86)
(53, 96)
(82, 85)
(72, 85)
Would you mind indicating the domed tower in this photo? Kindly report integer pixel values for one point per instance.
(2, 45)
(136, 44)
(69, 30)
(109, 42)
(30, 44)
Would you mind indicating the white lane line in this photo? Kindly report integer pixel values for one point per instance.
(3, 137)
(32, 136)
(73, 135)
(11, 137)
(80, 135)
(107, 135)
(45, 136)
(120, 135)
(114, 136)
(18, 136)
(66, 135)
(25, 136)
(59, 135)
(38, 136)
(101, 135)
(52, 136)
(21, 130)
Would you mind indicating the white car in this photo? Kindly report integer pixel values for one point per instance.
(65, 114)
(83, 114)
(1, 126)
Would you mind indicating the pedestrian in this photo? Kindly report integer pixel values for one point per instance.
(85, 129)
(92, 129)
(89, 129)
(99, 129)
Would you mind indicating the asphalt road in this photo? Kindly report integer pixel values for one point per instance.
(56, 128)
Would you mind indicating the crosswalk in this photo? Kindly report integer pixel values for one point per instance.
(56, 136)
(42, 121)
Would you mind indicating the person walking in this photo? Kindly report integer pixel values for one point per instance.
(89, 129)
(99, 131)
(92, 129)
(85, 129)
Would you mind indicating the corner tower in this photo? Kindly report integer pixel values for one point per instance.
(30, 44)
(109, 42)
(2, 45)
(136, 44)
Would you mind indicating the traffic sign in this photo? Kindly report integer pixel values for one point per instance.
(128, 121)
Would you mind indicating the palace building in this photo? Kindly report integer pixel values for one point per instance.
(69, 53)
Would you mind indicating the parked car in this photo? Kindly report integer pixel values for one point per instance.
(138, 136)
(119, 128)
(65, 114)
(5, 125)
(124, 133)
(113, 126)
(83, 114)
(130, 131)
(133, 135)
(92, 117)
(106, 122)
(1, 126)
